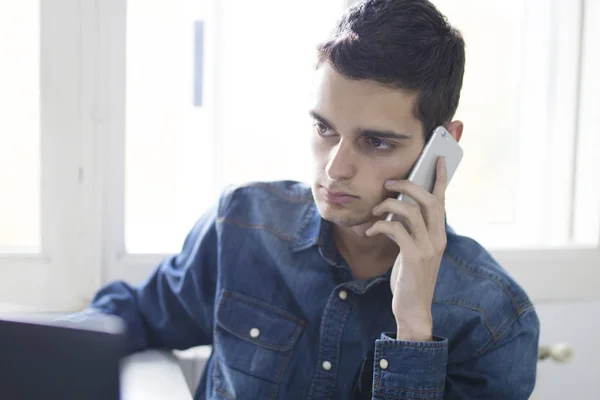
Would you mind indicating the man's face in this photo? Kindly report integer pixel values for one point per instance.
(363, 135)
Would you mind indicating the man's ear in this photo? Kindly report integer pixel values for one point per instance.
(456, 129)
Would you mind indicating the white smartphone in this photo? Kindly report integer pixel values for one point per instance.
(440, 144)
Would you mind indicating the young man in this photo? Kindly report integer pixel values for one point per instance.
(291, 284)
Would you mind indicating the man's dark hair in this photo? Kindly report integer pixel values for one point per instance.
(403, 44)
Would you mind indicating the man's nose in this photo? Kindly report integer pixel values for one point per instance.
(341, 165)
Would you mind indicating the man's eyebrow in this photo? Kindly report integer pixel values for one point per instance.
(321, 119)
(363, 132)
(384, 134)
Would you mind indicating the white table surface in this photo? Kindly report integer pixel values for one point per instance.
(153, 375)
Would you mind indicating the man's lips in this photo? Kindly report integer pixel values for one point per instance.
(337, 197)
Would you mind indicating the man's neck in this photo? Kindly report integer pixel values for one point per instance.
(367, 257)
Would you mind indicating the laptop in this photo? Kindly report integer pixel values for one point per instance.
(60, 360)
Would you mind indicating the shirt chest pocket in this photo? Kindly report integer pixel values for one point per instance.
(253, 338)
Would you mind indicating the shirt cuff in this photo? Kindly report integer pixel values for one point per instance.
(408, 370)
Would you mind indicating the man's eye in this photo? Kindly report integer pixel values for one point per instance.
(321, 128)
(378, 144)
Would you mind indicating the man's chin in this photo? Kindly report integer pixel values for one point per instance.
(343, 218)
(348, 223)
(344, 215)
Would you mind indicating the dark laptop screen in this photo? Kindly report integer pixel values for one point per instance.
(46, 361)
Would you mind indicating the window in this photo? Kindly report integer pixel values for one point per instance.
(169, 141)
(484, 193)
(180, 154)
(49, 235)
(515, 187)
(19, 127)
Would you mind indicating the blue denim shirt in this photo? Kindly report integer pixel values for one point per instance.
(260, 279)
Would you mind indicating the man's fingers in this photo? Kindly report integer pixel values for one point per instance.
(431, 204)
(441, 182)
(411, 213)
(395, 231)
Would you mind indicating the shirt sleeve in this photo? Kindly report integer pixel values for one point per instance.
(173, 308)
(503, 368)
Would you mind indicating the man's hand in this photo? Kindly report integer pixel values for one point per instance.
(416, 268)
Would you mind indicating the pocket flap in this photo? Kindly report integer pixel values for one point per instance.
(258, 322)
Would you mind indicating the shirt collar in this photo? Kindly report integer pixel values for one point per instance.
(309, 229)
(315, 231)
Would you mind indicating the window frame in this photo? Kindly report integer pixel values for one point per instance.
(64, 272)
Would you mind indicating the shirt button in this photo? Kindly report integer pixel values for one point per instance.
(254, 332)
(326, 365)
(383, 363)
(343, 294)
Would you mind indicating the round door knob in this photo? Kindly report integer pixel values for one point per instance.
(561, 353)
